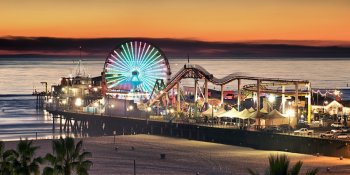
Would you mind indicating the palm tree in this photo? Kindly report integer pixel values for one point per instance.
(6, 158)
(24, 162)
(279, 165)
(67, 158)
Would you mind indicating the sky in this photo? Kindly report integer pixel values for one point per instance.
(205, 20)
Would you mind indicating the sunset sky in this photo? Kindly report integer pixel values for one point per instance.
(207, 20)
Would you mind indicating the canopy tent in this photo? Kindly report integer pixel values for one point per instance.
(210, 112)
(231, 113)
(245, 114)
(277, 118)
(263, 110)
(274, 114)
(251, 109)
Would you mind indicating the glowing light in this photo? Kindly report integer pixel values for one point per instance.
(78, 102)
(149, 109)
(131, 107)
(112, 106)
(290, 113)
(135, 66)
(95, 89)
(64, 102)
(325, 102)
(172, 110)
(336, 92)
(50, 100)
(271, 98)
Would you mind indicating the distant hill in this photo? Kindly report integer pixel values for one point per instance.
(14, 47)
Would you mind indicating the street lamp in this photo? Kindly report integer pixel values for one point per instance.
(324, 106)
(212, 114)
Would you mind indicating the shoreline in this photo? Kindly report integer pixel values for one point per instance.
(183, 156)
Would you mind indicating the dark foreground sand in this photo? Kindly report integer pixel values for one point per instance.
(184, 157)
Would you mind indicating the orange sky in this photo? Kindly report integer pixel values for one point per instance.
(212, 20)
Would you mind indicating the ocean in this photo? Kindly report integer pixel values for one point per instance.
(20, 77)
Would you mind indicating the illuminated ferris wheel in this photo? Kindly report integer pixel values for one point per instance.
(135, 66)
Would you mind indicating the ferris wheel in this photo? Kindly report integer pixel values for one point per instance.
(135, 66)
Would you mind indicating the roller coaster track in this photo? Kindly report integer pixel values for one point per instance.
(198, 72)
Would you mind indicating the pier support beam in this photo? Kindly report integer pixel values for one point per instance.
(258, 99)
(195, 90)
(178, 97)
(222, 95)
(239, 94)
(283, 100)
(206, 94)
(206, 91)
(296, 100)
(309, 104)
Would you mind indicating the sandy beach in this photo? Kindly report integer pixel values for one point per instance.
(183, 157)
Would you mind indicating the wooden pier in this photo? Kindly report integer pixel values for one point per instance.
(99, 125)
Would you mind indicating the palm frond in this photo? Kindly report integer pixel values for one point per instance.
(251, 172)
(312, 172)
(296, 168)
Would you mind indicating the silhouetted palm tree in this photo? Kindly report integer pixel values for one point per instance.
(279, 165)
(6, 158)
(24, 162)
(67, 158)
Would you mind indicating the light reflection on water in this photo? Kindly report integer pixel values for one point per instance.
(19, 118)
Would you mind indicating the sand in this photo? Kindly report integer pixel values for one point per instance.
(184, 157)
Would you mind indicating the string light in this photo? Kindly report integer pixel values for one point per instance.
(335, 92)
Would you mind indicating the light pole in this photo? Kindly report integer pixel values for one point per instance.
(95, 109)
(130, 108)
(78, 103)
(290, 112)
(149, 109)
(111, 106)
(271, 100)
(324, 106)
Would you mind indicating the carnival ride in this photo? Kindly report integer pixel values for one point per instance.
(132, 69)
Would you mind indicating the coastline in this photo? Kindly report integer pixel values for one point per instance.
(183, 156)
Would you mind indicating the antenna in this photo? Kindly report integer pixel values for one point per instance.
(79, 71)
(188, 59)
(79, 52)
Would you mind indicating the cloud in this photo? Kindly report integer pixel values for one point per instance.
(100, 47)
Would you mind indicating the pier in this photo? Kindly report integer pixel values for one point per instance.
(97, 125)
(137, 93)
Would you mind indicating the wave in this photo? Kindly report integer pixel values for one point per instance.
(15, 95)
